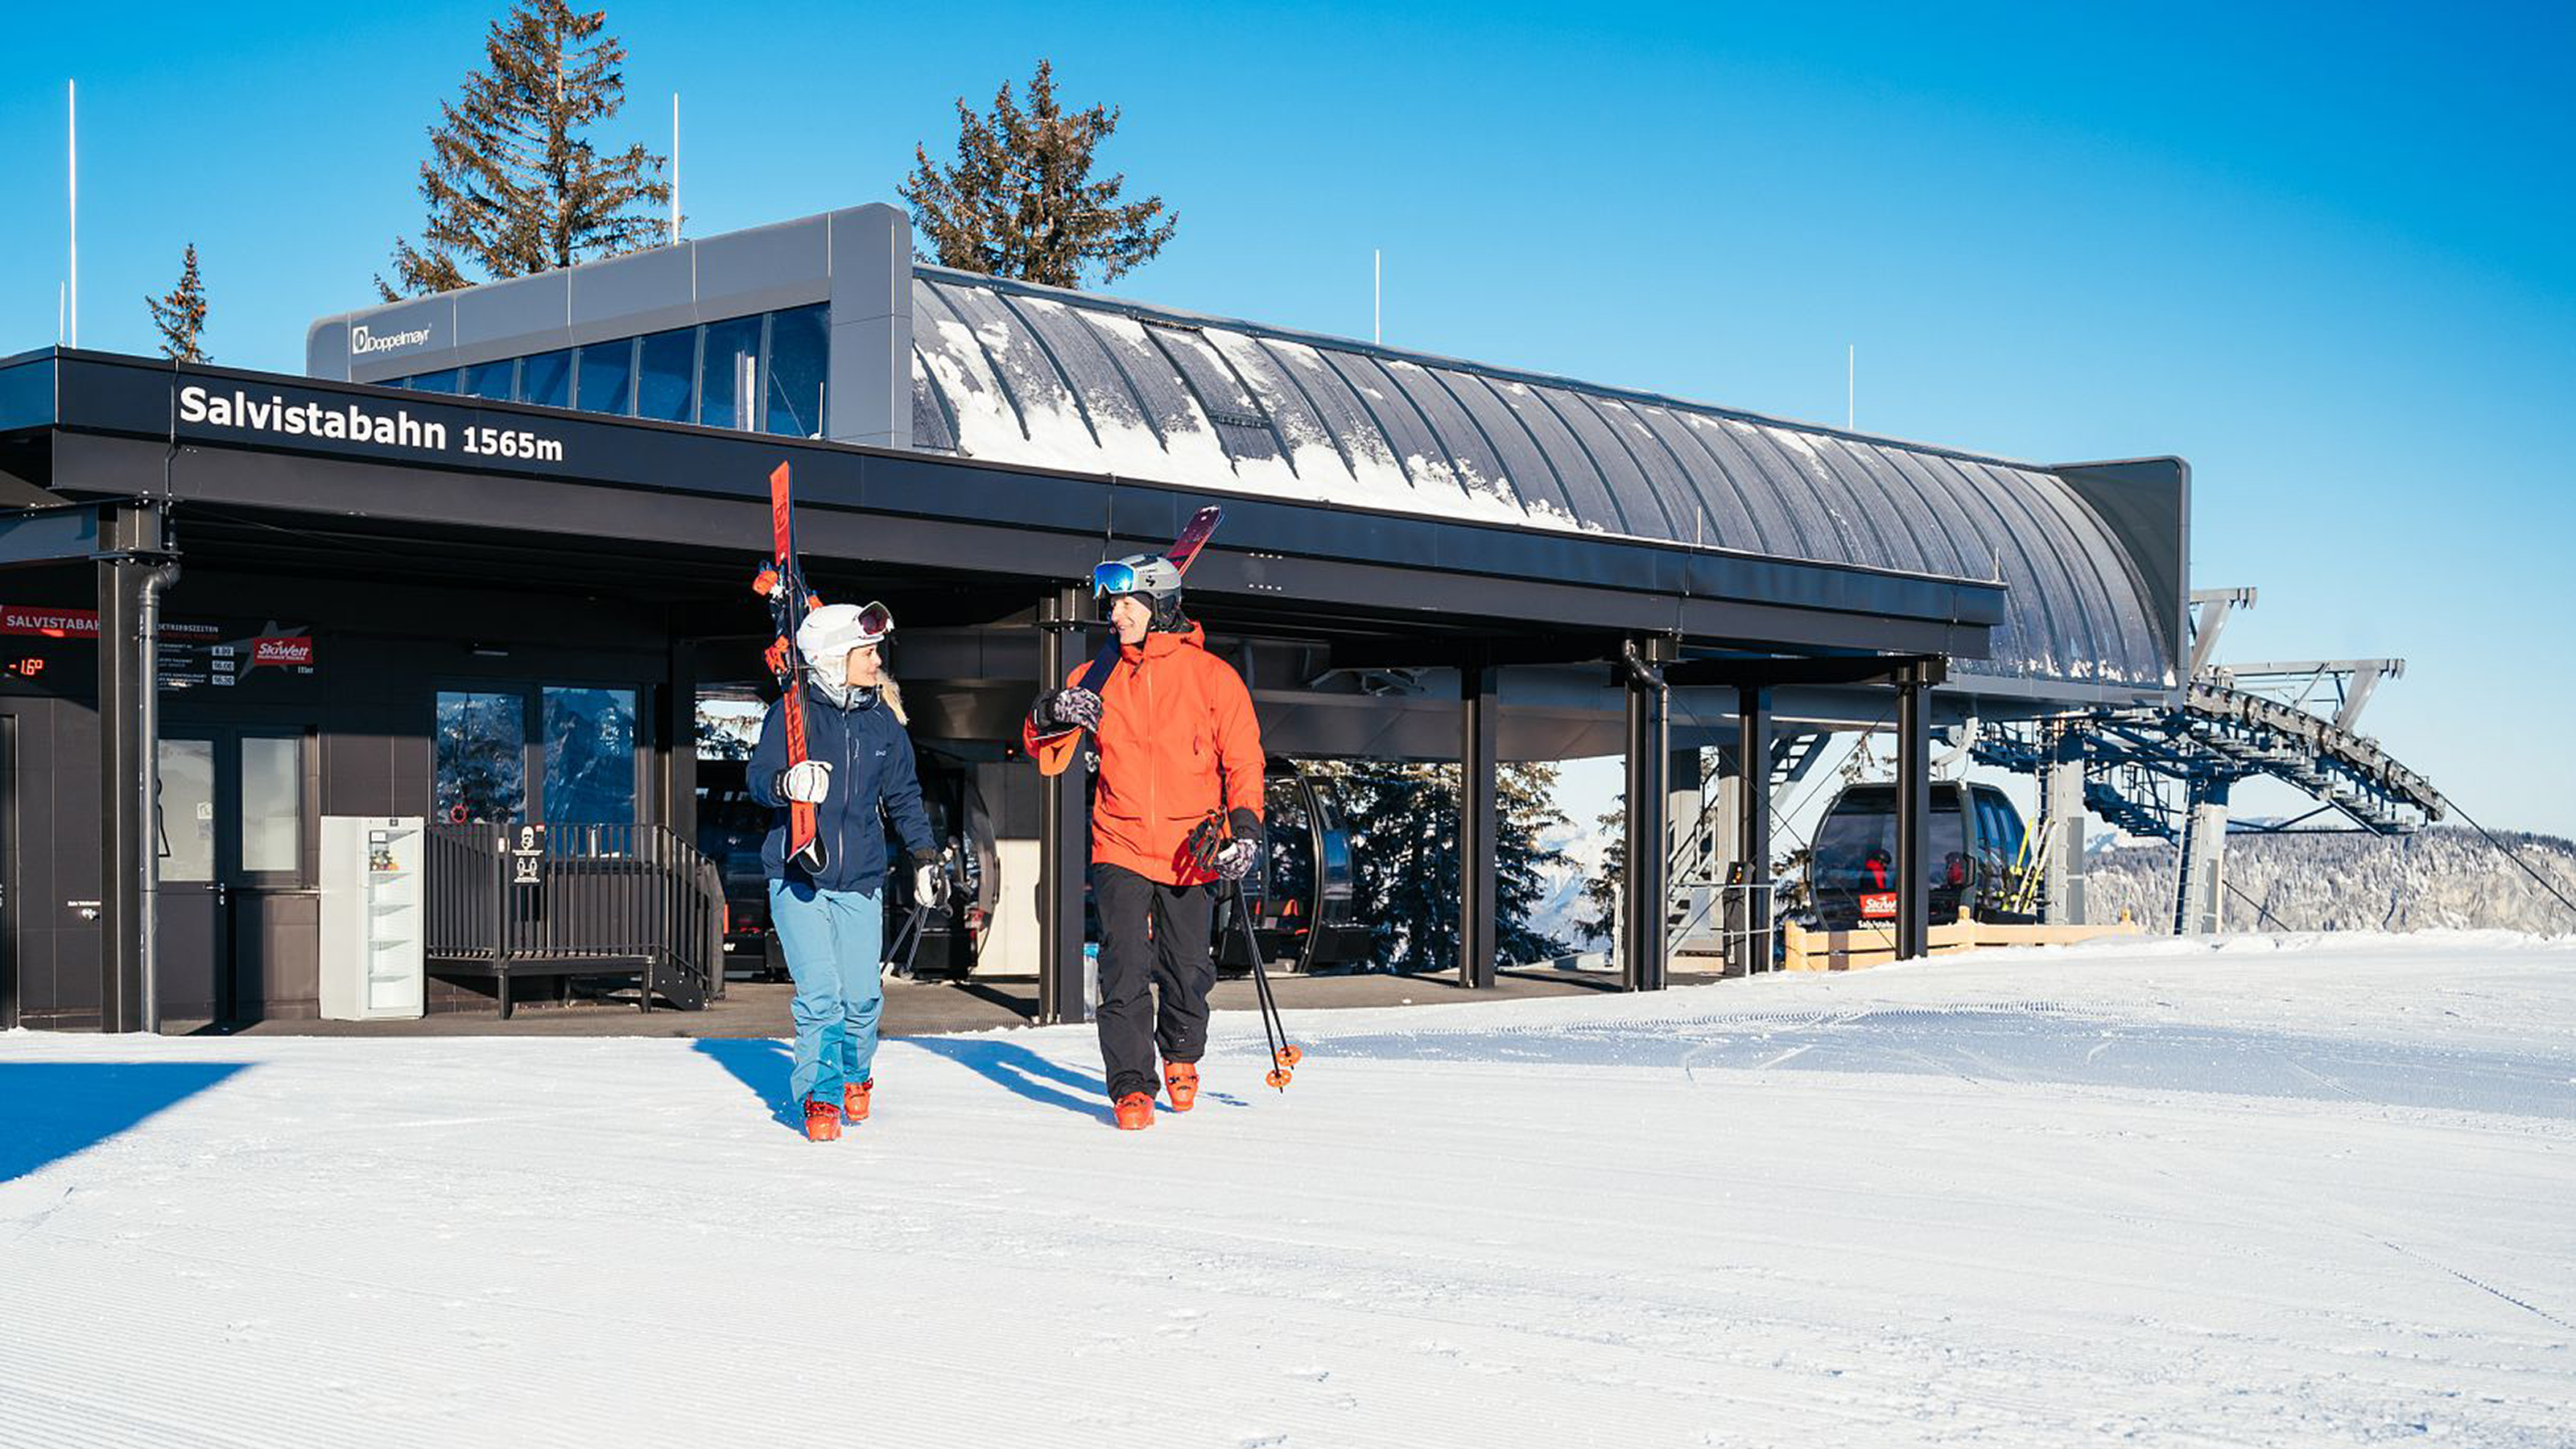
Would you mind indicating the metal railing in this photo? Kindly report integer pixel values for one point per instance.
(567, 900)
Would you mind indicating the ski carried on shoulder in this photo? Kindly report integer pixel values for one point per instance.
(782, 582)
(1193, 538)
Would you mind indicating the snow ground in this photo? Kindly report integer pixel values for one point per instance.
(2267, 1192)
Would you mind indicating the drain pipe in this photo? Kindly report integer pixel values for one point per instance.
(148, 914)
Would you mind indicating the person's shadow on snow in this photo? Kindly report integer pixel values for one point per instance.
(1023, 1073)
(765, 1065)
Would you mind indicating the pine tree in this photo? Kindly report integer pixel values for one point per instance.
(181, 315)
(1600, 921)
(1404, 858)
(1019, 202)
(513, 181)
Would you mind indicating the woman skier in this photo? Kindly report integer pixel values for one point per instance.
(831, 924)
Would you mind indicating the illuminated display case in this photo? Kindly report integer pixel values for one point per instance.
(372, 917)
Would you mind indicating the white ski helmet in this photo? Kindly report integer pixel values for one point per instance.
(829, 634)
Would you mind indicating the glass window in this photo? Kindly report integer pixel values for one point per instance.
(482, 755)
(491, 379)
(670, 362)
(433, 381)
(799, 355)
(590, 756)
(608, 378)
(1855, 848)
(272, 804)
(729, 345)
(185, 792)
(546, 379)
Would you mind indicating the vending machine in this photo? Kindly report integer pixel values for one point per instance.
(372, 917)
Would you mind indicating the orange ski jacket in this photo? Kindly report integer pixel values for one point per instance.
(1177, 740)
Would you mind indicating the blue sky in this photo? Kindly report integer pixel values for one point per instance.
(2329, 263)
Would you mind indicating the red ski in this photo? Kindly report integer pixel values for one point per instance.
(782, 582)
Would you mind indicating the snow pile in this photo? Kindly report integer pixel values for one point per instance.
(2271, 1191)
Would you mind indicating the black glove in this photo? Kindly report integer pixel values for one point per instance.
(1065, 709)
(1243, 850)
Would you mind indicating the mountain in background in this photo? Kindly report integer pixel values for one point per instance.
(2316, 882)
(2442, 877)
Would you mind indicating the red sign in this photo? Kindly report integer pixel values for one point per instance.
(49, 622)
(281, 649)
(1878, 906)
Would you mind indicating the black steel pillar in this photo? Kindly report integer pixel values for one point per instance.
(131, 551)
(1751, 951)
(1645, 895)
(1913, 812)
(678, 745)
(1480, 732)
(1064, 829)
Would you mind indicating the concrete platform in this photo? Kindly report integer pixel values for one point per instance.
(932, 1008)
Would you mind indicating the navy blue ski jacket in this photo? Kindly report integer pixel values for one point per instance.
(871, 760)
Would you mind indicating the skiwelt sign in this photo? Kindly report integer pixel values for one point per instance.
(268, 415)
(193, 654)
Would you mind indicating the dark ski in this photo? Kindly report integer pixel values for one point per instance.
(1193, 537)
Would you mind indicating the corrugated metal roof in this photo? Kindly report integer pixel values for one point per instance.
(1070, 381)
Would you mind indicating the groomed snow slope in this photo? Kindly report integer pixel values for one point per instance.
(2276, 1191)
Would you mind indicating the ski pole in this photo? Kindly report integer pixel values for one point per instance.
(1284, 1054)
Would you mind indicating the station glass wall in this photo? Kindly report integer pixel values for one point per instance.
(688, 374)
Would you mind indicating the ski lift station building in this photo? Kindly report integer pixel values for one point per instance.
(484, 558)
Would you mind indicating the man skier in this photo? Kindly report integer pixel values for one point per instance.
(1178, 742)
(831, 924)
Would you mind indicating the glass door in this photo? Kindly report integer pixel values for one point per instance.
(190, 912)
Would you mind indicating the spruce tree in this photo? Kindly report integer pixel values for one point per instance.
(1020, 202)
(180, 316)
(1403, 820)
(514, 182)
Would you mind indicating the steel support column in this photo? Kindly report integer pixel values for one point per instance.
(127, 745)
(1064, 833)
(1479, 744)
(1751, 951)
(2200, 890)
(1913, 813)
(1644, 897)
(2062, 830)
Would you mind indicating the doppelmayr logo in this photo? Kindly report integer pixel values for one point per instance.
(362, 341)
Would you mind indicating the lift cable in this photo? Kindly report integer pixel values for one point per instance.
(2509, 853)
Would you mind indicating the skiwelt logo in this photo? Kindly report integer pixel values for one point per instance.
(363, 341)
(282, 651)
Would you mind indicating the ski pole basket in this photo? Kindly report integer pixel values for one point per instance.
(518, 900)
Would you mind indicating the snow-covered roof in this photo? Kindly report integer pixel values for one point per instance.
(1074, 381)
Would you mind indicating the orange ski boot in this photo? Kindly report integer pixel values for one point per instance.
(1181, 1084)
(822, 1122)
(854, 1099)
(1135, 1112)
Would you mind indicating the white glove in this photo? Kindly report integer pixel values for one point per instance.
(929, 886)
(806, 784)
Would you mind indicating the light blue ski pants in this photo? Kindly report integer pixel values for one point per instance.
(832, 940)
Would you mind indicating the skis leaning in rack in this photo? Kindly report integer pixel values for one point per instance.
(782, 582)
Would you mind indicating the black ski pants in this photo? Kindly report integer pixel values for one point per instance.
(1155, 975)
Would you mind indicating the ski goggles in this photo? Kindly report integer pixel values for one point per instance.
(875, 620)
(1116, 577)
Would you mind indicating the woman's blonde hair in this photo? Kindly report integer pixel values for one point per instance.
(892, 694)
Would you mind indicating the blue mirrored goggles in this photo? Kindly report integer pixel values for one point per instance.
(1114, 578)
